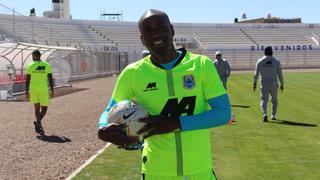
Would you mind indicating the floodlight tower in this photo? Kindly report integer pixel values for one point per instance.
(66, 9)
(60, 9)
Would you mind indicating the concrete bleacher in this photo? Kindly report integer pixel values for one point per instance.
(313, 34)
(68, 32)
(51, 31)
(277, 35)
(221, 36)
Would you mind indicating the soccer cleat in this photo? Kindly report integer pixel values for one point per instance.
(273, 118)
(232, 119)
(38, 128)
(265, 118)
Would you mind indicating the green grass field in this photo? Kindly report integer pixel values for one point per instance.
(288, 148)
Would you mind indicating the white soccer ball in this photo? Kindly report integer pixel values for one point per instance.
(128, 113)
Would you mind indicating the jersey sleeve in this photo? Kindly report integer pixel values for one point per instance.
(211, 83)
(49, 69)
(279, 71)
(123, 89)
(218, 115)
(103, 120)
(256, 73)
(228, 68)
(29, 70)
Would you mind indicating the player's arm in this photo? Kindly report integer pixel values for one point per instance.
(28, 83)
(121, 91)
(103, 120)
(28, 78)
(218, 115)
(218, 100)
(279, 72)
(51, 83)
(50, 78)
(228, 68)
(113, 132)
(255, 76)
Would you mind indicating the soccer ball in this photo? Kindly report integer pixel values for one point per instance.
(127, 113)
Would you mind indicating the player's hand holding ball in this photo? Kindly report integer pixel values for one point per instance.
(159, 125)
(115, 134)
(123, 124)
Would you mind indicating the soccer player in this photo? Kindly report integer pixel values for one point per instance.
(38, 73)
(184, 97)
(223, 68)
(270, 70)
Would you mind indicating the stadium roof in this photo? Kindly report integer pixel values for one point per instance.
(19, 54)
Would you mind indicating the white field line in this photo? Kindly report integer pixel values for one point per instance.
(76, 172)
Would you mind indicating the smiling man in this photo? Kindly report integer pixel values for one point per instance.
(184, 96)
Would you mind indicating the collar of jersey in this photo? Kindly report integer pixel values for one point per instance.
(178, 61)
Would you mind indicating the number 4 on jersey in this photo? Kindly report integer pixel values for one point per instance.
(175, 108)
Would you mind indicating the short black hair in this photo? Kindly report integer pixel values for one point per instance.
(36, 52)
(268, 51)
(152, 12)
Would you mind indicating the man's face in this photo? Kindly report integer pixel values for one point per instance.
(218, 56)
(35, 57)
(157, 34)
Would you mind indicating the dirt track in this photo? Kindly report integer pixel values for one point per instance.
(71, 133)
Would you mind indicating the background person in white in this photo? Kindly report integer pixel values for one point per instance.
(270, 70)
(223, 68)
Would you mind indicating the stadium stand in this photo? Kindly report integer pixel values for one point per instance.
(219, 36)
(241, 43)
(277, 35)
(106, 47)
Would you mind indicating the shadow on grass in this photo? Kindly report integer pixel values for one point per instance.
(54, 139)
(292, 123)
(239, 106)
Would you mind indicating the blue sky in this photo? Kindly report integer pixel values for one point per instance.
(208, 11)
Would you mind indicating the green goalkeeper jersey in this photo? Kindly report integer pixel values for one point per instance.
(39, 70)
(181, 91)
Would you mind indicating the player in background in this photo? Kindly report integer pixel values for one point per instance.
(224, 72)
(223, 68)
(269, 69)
(185, 98)
(38, 74)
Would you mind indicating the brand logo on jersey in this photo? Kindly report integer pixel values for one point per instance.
(188, 81)
(41, 68)
(268, 64)
(151, 87)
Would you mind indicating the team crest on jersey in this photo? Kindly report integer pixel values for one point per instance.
(188, 81)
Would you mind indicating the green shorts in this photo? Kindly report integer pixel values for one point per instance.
(40, 96)
(205, 175)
